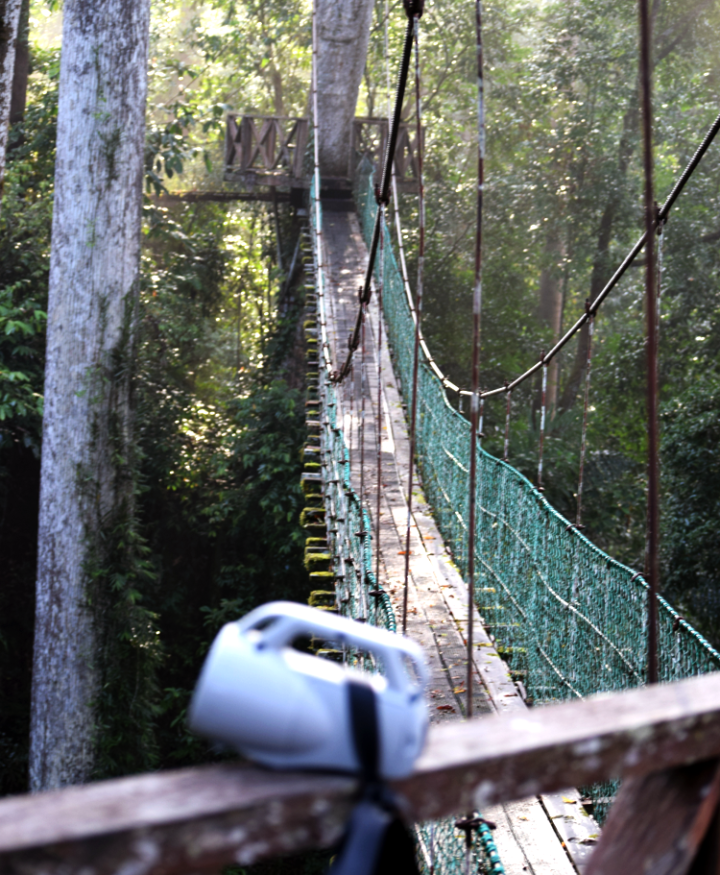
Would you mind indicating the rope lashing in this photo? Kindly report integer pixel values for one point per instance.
(583, 439)
(418, 312)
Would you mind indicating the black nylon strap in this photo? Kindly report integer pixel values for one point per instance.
(376, 841)
(364, 722)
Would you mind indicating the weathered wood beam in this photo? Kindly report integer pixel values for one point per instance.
(658, 822)
(196, 819)
(494, 759)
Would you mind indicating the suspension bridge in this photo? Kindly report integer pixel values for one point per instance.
(413, 526)
(547, 616)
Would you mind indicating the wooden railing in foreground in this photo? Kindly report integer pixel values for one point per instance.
(201, 819)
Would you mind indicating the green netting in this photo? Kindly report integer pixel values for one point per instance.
(568, 618)
(442, 849)
(440, 846)
(359, 594)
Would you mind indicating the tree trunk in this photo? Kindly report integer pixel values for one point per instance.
(550, 294)
(602, 268)
(343, 35)
(87, 431)
(22, 66)
(9, 17)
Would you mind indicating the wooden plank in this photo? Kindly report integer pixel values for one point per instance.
(198, 818)
(438, 591)
(499, 758)
(182, 821)
(578, 831)
(658, 822)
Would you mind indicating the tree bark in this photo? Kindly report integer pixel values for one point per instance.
(550, 295)
(9, 18)
(21, 72)
(343, 35)
(602, 269)
(87, 430)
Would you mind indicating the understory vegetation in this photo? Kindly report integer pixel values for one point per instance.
(219, 391)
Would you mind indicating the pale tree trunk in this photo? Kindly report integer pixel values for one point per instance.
(343, 35)
(550, 294)
(94, 273)
(9, 18)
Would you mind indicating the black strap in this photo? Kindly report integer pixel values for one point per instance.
(364, 723)
(376, 842)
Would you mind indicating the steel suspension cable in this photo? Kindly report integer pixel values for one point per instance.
(583, 439)
(661, 218)
(543, 403)
(379, 419)
(418, 311)
(653, 510)
(412, 8)
(361, 429)
(316, 154)
(477, 310)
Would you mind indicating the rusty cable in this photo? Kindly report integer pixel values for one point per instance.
(583, 439)
(379, 302)
(543, 402)
(662, 217)
(413, 8)
(653, 508)
(477, 312)
(418, 316)
(506, 448)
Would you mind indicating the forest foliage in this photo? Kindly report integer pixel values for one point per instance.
(219, 403)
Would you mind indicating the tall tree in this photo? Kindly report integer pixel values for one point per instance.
(9, 17)
(86, 483)
(343, 35)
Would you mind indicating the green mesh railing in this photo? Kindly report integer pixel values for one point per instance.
(568, 618)
(440, 845)
(358, 593)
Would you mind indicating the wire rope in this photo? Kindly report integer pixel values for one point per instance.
(653, 497)
(477, 312)
(583, 439)
(543, 406)
(417, 309)
(662, 217)
(379, 418)
(382, 195)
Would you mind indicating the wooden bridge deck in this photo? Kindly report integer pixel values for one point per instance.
(550, 834)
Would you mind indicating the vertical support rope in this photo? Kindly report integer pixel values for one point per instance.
(418, 314)
(477, 309)
(583, 439)
(506, 448)
(361, 429)
(379, 302)
(316, 154)
(543, 403)
(653, 508)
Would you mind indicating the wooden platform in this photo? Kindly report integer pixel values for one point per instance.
(551, 834)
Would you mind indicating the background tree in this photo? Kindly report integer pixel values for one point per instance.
(87, 489)
(9, 20)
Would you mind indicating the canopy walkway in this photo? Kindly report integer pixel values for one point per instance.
(558, 618)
